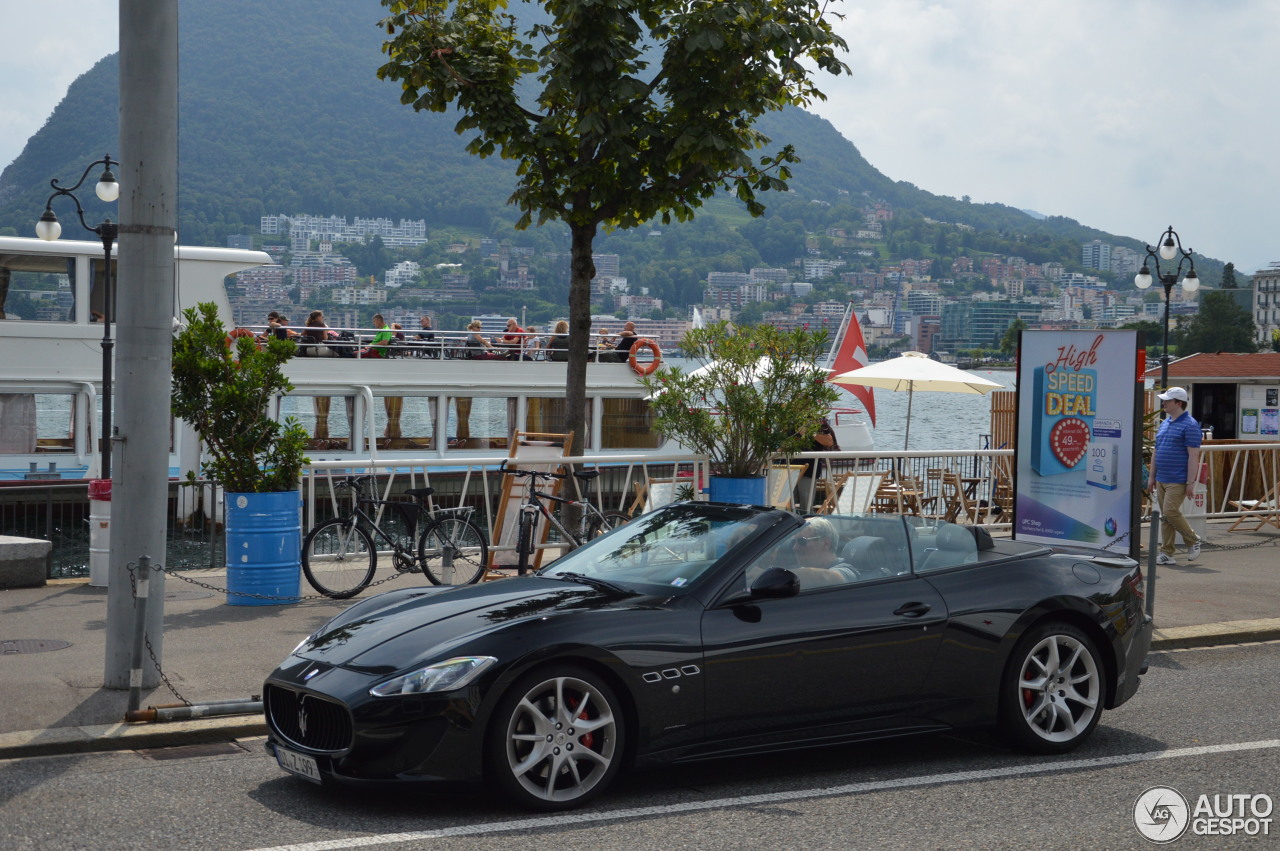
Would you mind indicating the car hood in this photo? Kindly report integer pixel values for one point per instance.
(388, 632)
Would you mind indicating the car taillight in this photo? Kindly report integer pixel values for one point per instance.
(1135, 581)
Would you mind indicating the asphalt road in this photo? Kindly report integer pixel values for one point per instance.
(1204, 723)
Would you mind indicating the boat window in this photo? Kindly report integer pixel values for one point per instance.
(546, 415)
(37, 288)
(404, 422)
(481, 422)
(37, 422)
(628, 424)
(327, 419)
(96, 303)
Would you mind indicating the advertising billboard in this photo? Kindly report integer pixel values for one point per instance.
(1079, 438)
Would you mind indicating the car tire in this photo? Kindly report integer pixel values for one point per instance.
(1051, 695)
(541, 750)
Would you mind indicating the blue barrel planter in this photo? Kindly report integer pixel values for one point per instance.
(264, 548)
(746, 491)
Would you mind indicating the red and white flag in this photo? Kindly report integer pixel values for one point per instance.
(852, 355)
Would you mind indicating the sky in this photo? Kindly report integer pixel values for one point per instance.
(1126, 115)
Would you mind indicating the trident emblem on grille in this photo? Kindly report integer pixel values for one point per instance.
(302, 717)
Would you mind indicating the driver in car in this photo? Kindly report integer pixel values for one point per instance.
(815, 548)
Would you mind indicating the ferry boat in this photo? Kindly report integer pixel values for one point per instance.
(426, 401)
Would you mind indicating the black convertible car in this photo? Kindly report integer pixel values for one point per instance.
(705, 630)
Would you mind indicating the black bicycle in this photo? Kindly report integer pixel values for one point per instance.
(592, 522)
(339, 557)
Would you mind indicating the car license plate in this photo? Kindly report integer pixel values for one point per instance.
(299, 764)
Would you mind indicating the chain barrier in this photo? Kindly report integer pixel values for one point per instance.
(250, 595)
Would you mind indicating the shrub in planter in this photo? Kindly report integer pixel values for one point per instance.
(759, 390)
(222, 386)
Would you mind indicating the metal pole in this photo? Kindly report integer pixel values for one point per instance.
(148, 216)
(107, 231)
(140, 598)
(1166, 280)
(1153, 539)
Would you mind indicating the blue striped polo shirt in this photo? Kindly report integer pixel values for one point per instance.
(1174, 437)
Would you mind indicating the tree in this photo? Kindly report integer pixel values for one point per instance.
(615, 112)
(1228, 277)
(1009, 342)
(1221, 325)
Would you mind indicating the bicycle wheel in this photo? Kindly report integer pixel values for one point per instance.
(524, 542)
(338, 558)
(597, 525)
(452, 551)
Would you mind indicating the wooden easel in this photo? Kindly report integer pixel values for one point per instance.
(529, 451)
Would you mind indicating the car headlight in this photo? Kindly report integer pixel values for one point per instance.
(442, 676)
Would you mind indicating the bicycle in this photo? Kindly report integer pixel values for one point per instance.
(339, 558)
(592, 522)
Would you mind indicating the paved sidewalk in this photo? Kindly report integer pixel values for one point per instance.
(54, 701)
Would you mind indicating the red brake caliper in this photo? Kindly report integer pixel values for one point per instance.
(586, 739)
(1028, 695)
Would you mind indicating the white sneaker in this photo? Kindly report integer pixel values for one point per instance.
(1193, 551)
(1164, 559)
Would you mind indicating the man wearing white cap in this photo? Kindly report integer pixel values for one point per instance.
(1175, 467)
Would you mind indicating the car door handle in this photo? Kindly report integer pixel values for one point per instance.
(912, 610)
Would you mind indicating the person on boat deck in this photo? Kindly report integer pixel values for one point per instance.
(626, 339)
(317, 331)
(281, 329)
(513, 339)
(823, 440)
(380, 346)
(273, 319)
(475, 340)
(399, 331)
(427, 335)
(558, 344)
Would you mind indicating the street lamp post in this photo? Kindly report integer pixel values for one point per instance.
(1170, 247)
(48, 228)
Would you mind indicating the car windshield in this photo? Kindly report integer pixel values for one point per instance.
(670, 548)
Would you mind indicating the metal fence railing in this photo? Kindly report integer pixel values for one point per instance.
(1242, 484)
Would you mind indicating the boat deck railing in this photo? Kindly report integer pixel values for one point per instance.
(340, 342)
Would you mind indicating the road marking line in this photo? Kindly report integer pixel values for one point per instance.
(578, 817)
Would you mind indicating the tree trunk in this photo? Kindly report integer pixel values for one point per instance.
(582, 270)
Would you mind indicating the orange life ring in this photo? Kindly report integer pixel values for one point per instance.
(645, 368)
(237, 332)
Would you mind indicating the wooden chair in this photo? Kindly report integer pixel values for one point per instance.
(653, 494)
(852, 493)
(780, 485)
(960, 508)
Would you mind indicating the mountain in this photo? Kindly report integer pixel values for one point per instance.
(281, 112)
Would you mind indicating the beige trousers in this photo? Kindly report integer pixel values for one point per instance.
(1171, 519)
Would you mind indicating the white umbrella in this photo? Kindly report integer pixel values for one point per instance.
(914, 371)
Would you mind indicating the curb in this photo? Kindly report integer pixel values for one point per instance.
(1214, 634)
(113, 737)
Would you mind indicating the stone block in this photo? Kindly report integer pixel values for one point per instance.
(24, 562)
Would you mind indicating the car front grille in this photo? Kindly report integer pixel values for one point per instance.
(308, 721)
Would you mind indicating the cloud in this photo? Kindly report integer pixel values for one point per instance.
(1127, 116)
(43, 48)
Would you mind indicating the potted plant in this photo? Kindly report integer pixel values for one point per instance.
(758, 393)
(222, 386)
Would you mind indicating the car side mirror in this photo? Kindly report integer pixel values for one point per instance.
(775, 582)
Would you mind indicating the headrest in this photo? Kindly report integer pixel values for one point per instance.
(982, 538)
(956, 538)
(865, 549)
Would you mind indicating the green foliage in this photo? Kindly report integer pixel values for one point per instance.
(1009, 342)
(1275, 339)
(760, 391)
(1228, 277)
(224, 392)
(1221, 325)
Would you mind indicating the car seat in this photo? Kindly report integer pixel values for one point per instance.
(956, 545)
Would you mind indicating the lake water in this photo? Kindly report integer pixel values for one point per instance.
(938, 420)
